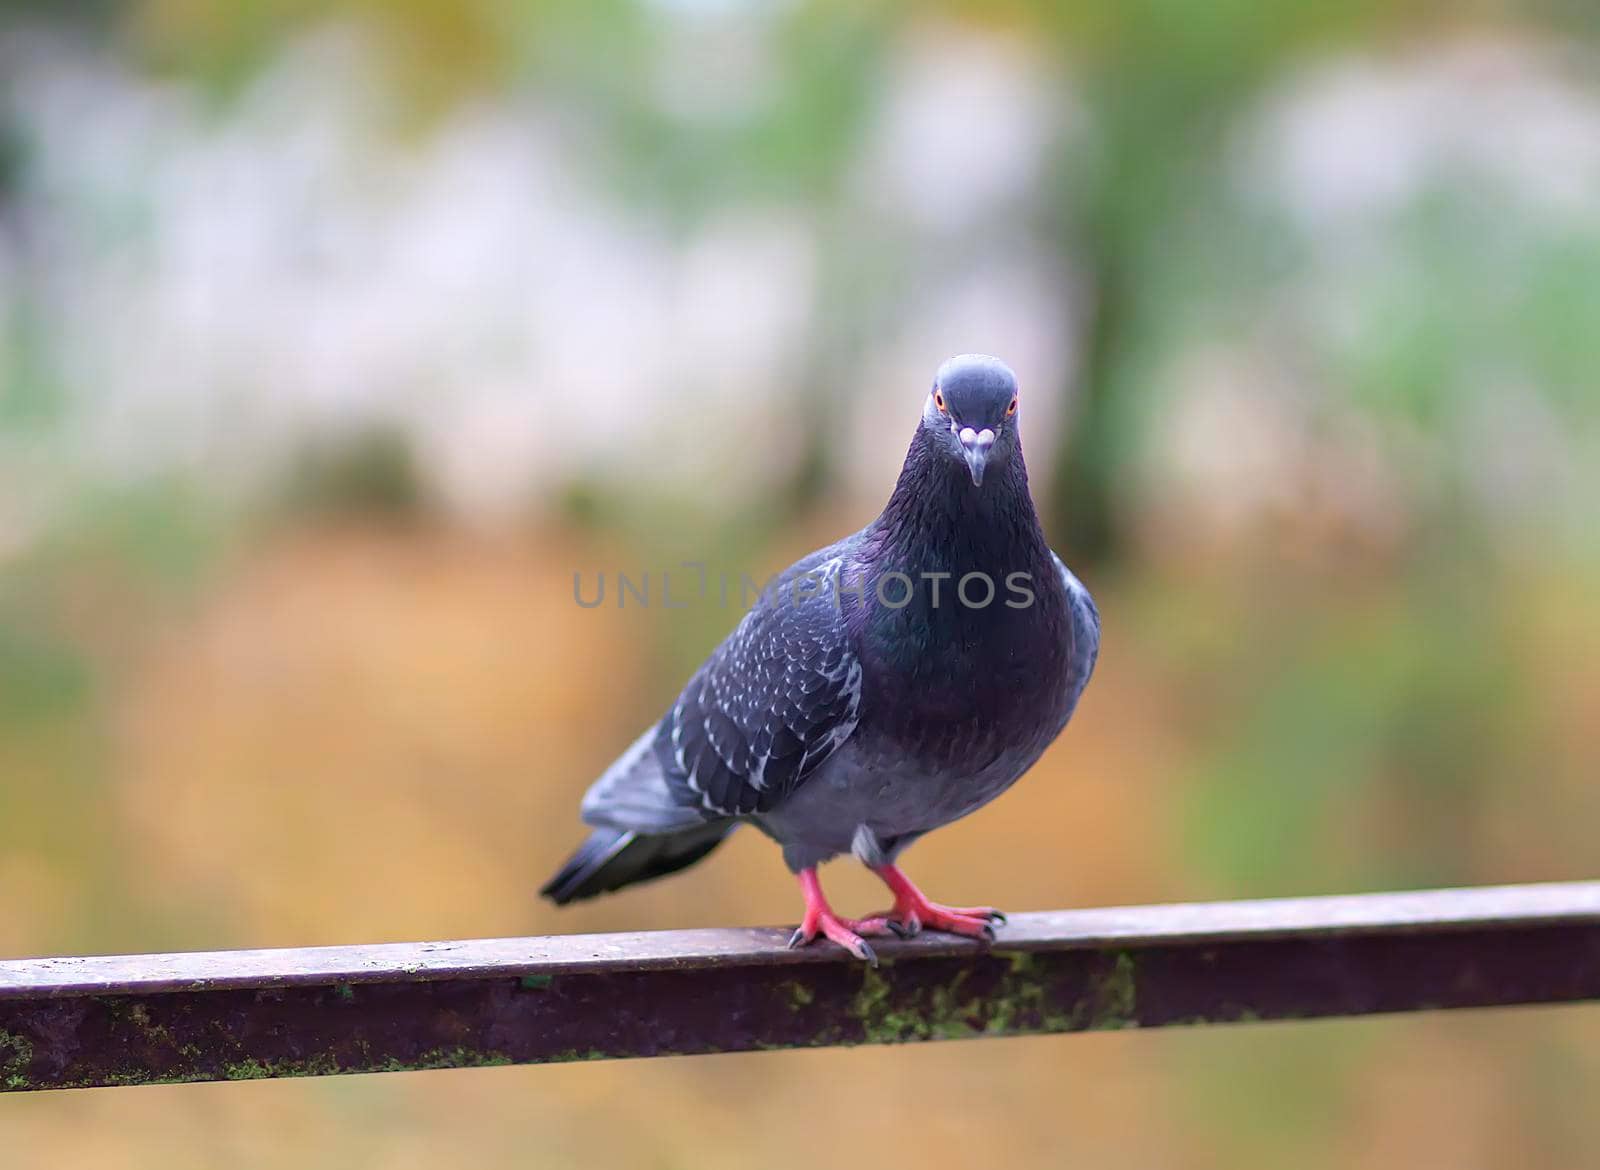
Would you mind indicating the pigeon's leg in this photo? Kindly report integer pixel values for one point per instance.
(820, 919)
(913, 912)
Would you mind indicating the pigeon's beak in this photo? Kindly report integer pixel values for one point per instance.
(975, 446)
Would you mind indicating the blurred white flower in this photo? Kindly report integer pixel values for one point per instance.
(1362, 138)
(965, 131)
(220, 286)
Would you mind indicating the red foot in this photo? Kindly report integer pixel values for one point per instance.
(913, 912)
(820, 919)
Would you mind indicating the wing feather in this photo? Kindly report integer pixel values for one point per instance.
(774, 702)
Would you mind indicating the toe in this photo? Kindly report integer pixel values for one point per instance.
(906, 925)
(856, 945)
(875, 927)
(962, 924)
(844, 933)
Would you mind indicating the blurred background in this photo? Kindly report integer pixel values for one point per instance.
(336, 337)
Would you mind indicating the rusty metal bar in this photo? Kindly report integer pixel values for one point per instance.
(236, 1015)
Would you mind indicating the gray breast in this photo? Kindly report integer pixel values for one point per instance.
(873, 801)
(877, 794)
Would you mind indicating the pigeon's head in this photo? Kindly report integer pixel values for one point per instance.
(971, 412)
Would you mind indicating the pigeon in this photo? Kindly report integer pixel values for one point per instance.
(879, 688)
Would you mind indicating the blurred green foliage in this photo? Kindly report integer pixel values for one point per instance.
(371, 476)
(1146, 209)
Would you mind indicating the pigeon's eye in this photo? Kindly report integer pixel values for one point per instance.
(1012, 409)
(938, 400)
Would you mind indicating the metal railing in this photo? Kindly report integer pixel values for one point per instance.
(240, 1015)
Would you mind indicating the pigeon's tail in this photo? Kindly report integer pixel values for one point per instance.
(641, 831)
(613, 858)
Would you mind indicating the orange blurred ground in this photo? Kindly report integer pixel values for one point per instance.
(354, 734)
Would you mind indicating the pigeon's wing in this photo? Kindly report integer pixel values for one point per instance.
(776, 699)
(1083, 627)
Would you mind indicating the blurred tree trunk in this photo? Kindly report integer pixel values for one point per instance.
(1164, 84)
(1081, 495)
(1162, 150)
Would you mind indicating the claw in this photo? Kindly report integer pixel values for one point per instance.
(913, 912)
(835, 930)
(820, 919)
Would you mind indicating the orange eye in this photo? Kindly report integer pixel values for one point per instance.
(938, 400)
(1012, 409)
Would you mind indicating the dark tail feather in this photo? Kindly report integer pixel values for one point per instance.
(611, 859)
